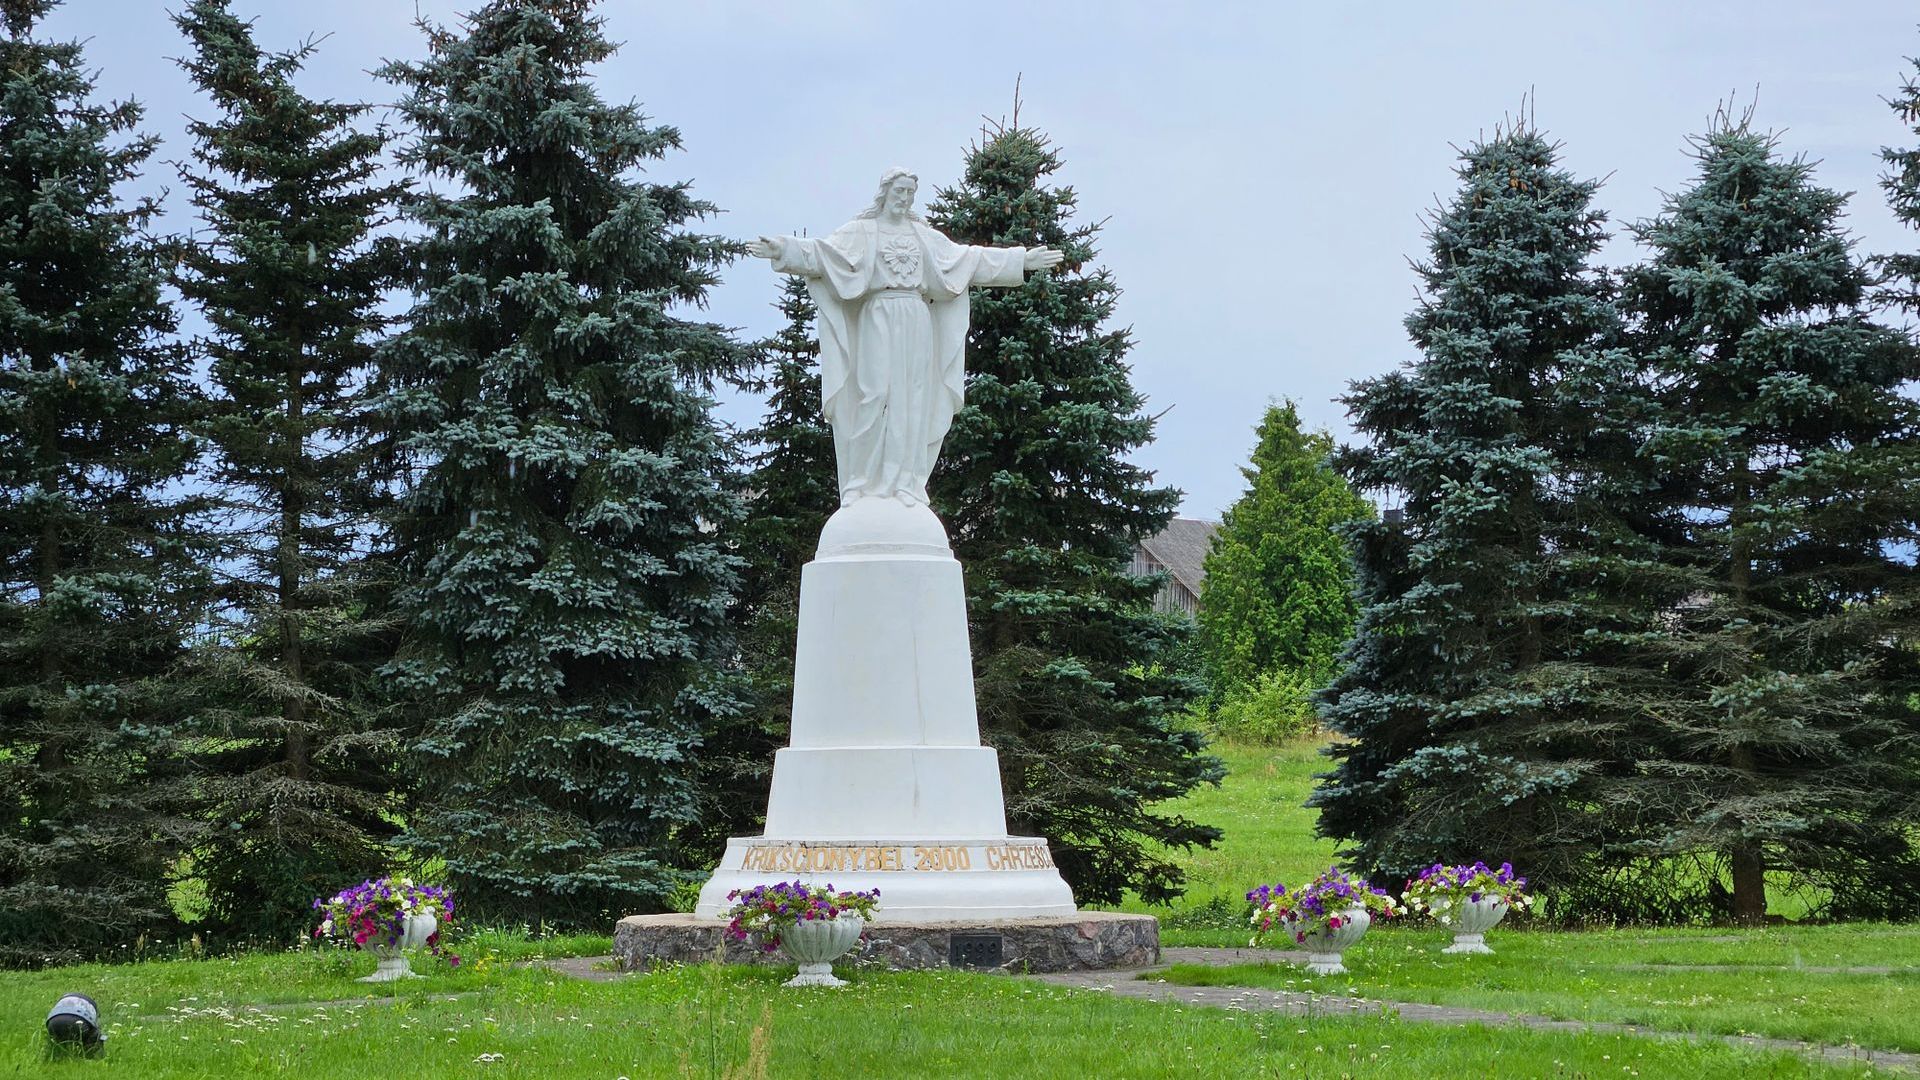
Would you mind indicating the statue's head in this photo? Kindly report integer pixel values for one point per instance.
(897, 188)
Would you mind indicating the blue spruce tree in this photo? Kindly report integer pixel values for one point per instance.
(791, 489)
(1784, 737)
(98, 589)
(1477, 703)
(296, 771)
(1901, 182)
(1074, 669)
(567, 505)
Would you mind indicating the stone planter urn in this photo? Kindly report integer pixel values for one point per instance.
(1325, 946)
(1470, 921)
(393, 958)
(816, 943)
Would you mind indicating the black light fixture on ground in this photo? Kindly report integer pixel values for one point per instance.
(74, 1026)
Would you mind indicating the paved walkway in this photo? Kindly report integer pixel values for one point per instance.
(1811, 969)
(1293, 1003)
(589, 968)
(197, 1011)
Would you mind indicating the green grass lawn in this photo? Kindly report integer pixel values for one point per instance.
(1630, 976)
(1269, 838)
(1638, 977)
(299, 1015)
(1261, 806)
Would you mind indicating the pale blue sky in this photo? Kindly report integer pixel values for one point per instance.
(1262, 167)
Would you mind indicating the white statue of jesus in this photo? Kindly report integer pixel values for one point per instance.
(892, 295)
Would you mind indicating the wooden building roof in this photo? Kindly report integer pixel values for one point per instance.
(1182, 548)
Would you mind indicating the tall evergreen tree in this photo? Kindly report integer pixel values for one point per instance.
(1787, 739)
(1279, 587)
(1475, 720)
(791, 483)
(564, 534)
(791, 491)
(297, 775)
(1901, 182)
(95, 596)
(1071, 662)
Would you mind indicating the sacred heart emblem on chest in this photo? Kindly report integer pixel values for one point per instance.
(901, 254)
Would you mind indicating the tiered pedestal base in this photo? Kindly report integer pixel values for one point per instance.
(1086, 941)
(885, 784)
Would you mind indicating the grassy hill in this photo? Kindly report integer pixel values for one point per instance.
(1269, 837)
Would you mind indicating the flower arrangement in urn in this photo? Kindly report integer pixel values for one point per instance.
(815, 925)
(1468, 899)
(1326, 916)
(387, 917)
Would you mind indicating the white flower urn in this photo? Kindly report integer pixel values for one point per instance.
(392, 958)
(1470, 920)
(816, 944)
(1325, 946)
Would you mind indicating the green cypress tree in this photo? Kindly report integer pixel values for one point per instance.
(1279, 588)
(1476, 720)
(96, 590)
(564, 535)
(1072, 669)
(1786, 739)
(298, 784)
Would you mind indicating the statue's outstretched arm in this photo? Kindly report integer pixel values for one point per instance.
(1043, 258)
(790, 254)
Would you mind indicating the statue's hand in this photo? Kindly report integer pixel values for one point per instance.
(1043, 258)
(764, 248)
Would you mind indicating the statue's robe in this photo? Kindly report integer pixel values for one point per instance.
(893, 338)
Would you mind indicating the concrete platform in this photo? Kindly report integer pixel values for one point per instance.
(1084, 941)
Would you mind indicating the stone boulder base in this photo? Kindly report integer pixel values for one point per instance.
(1084, 941)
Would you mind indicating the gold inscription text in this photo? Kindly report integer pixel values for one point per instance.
(1019, 857)
(820, 859)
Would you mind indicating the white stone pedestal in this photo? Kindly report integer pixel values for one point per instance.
(885, 784)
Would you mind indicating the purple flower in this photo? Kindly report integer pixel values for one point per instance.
(766, 911)
(1320, 904)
